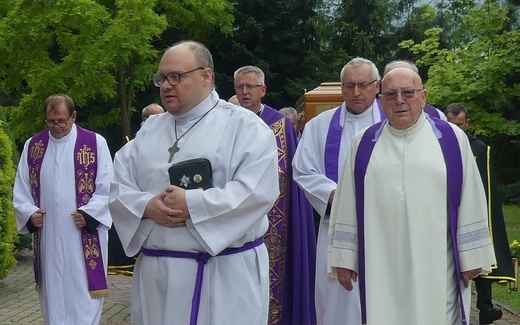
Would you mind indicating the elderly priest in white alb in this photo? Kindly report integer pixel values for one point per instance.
(409, 220)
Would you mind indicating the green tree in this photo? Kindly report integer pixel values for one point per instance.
(277, 36)
(101, 53)
(417, 21)
(366, 28)
(482, 71)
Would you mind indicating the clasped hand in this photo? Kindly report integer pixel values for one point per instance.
(169, 207)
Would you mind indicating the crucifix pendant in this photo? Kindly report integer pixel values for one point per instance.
(173, 150)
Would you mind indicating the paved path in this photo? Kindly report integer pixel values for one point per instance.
(19, 301)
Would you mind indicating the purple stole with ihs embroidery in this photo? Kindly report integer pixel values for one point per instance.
(85, 167)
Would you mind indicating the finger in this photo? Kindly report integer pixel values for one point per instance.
(175, 212)
(465, 280)
(172, 222)
(346, 284)
(175, 220)
(180, 224)
(349, 285)
(162, 195)
(169, 188)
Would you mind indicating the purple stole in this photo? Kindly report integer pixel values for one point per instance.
(85, 165)
(432, 111)
(334, 139)
(333, 143)
(453, 160)
(290, 239)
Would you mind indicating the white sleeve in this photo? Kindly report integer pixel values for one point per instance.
(23, 201)
(309, 167)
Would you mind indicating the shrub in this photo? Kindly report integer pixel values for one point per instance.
(24, 242)
(510, 193)
(8, 232)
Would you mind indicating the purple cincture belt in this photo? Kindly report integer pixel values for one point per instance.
(202, 259)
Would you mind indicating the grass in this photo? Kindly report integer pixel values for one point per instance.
(501, 292)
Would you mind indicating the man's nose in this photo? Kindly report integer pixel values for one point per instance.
(399, 98)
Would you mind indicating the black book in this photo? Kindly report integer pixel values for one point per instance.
(192, 174)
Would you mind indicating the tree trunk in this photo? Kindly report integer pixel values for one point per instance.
(125, 100)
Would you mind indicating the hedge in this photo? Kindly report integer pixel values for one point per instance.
(8, 232)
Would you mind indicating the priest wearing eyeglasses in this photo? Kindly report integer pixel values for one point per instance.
(317, 166)
(203, 259)
(408, 224)
(60, 195)
(290, 239)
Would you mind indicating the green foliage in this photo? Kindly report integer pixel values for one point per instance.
(501, 293)
(103, 52)
(510, 193)
(419, 20)
(198, 18)
(24, 242)
(361, 24)
(4, 125)
(95, 51)
(482, 71)
(280, 38)
(8, 233)
(514, 246)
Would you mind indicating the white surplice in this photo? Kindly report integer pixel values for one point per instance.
(334, 305)
(410, 273)
(64, 296)
(242, 152)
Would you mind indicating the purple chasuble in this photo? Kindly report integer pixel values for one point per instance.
(290, 239)
(453, 160)
(85, 166)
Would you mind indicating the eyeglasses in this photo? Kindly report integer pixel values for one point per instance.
(248, 87)
(59, 123)
(173, 78)
(408, 93)
(361, 85)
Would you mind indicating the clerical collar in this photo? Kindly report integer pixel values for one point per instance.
(261, 110)
(348, 116)
(414, 128)
(199, 109)
(65, 138)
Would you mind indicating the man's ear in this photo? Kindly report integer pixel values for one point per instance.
(425, 94)
(208, 74)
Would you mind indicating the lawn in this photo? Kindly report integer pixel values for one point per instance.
(501, 292)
